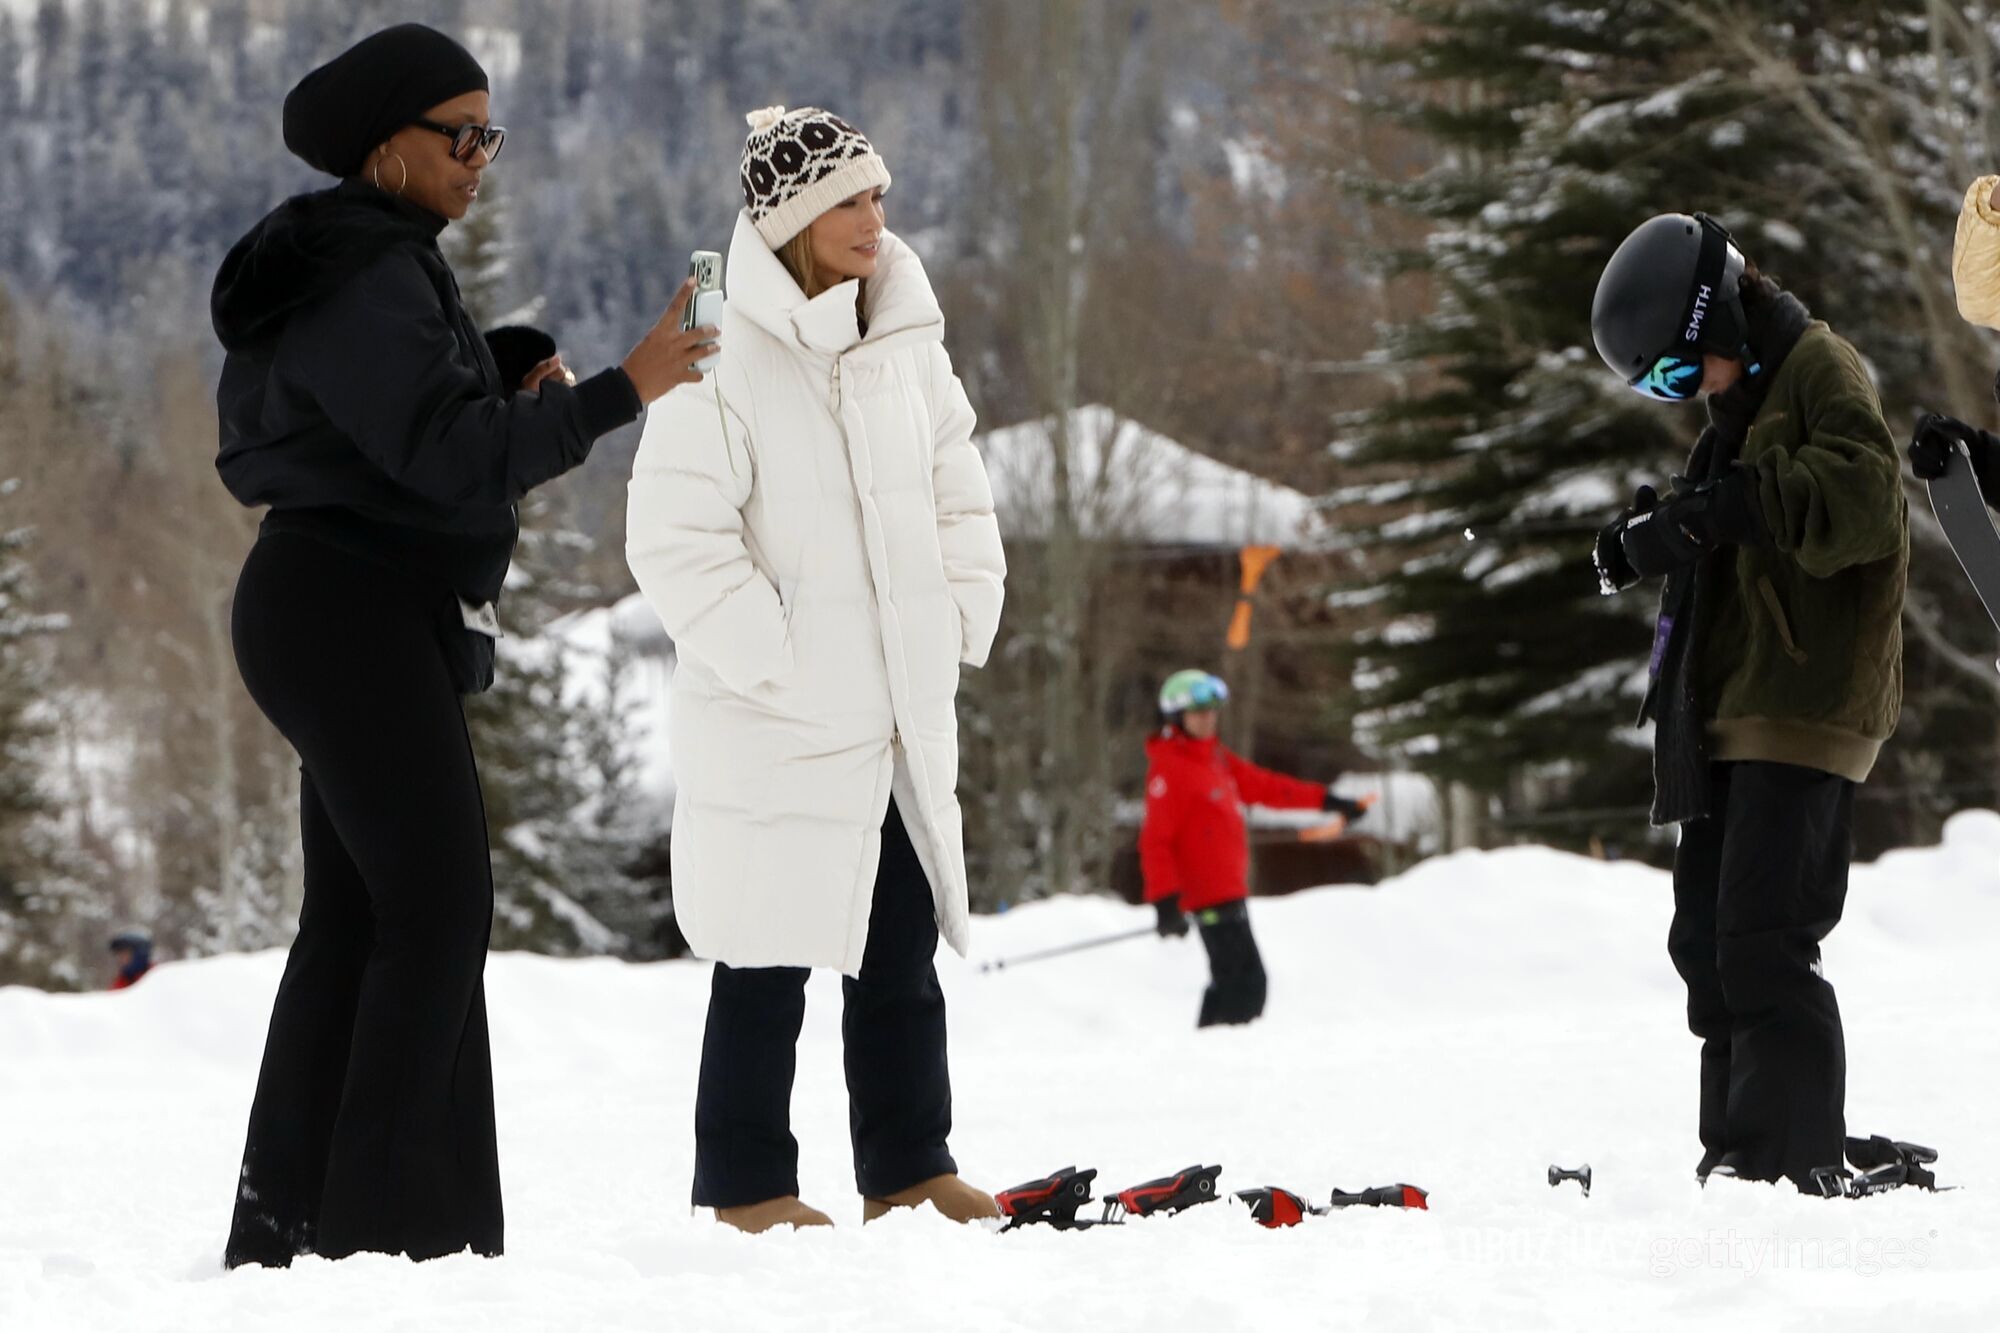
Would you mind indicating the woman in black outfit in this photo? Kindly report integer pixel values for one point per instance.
(359, 402)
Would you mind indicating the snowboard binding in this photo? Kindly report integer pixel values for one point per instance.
(1274, 1207)
(1169, 1194)
(1052, 1200)
(1884, 1163)
(1383, 1196)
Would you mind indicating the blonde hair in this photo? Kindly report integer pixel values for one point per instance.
(797, 257)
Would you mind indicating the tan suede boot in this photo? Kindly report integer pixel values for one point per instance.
(783, 1211)
(948, 1194)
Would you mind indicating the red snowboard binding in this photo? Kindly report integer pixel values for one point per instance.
(1052, 1200)
(1169, 1194)
(1274, 1207)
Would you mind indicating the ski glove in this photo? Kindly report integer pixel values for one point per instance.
(1340, 805)
(1173, 921)
(1936, 438)
(1614, 573)
(1690, 524)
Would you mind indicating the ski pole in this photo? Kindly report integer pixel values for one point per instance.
(998, 963)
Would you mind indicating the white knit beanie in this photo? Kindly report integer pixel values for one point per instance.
(798, 164)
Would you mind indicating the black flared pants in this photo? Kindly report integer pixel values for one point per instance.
(372, 1127)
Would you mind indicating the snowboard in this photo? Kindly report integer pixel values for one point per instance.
(1961, 511)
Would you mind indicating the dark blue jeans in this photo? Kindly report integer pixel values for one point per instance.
(892, 1027)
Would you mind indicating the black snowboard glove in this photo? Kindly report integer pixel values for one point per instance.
(1690, 524)
(1340, 805)
(1614, 573)
(1937, 437)
(1173, 921)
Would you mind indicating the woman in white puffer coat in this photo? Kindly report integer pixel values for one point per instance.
(816, 532)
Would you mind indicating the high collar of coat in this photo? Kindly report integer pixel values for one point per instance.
(902, 309)
(1172, 740)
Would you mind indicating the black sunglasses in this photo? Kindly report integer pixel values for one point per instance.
(469, 139)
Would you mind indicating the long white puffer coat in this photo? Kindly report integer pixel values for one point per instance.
(823, 571)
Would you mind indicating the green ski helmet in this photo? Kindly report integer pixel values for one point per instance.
(1192, 691)
(1669, 296)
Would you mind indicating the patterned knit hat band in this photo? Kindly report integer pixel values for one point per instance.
(798, 164)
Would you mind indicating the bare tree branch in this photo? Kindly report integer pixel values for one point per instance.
(1921, 617)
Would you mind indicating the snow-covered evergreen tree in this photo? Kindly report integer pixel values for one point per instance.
(1557, 130)
(46, 914)
(545, 754)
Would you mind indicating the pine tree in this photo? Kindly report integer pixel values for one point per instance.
(543, 753)
(1558, 130)
(43, 910)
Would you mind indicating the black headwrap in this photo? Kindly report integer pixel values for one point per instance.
(340, 111)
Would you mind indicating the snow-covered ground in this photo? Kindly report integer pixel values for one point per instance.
(1460, 1028)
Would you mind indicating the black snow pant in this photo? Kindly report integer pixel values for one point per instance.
(1237, 983)
(372, 1127)
(1757, 886)
(893, 1030)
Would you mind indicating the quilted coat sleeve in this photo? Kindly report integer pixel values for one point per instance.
(968, 531)
(1975, 256)
(1837, 500)
(684, 539)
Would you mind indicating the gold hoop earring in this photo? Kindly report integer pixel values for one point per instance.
(400, 185)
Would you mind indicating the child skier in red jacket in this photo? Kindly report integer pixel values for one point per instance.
(1194, 848)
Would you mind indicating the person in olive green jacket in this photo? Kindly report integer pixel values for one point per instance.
(1776, 667)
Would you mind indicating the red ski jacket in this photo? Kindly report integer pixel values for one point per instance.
(1194, 842)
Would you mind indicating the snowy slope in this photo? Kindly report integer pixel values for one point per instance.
(1460, 1028)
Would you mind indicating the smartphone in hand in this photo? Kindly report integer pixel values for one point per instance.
(705, 307)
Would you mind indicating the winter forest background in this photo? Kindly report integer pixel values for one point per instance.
(1347, 246)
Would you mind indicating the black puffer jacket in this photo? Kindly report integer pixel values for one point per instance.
(361, 404)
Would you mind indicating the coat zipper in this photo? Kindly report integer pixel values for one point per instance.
(833, 402)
